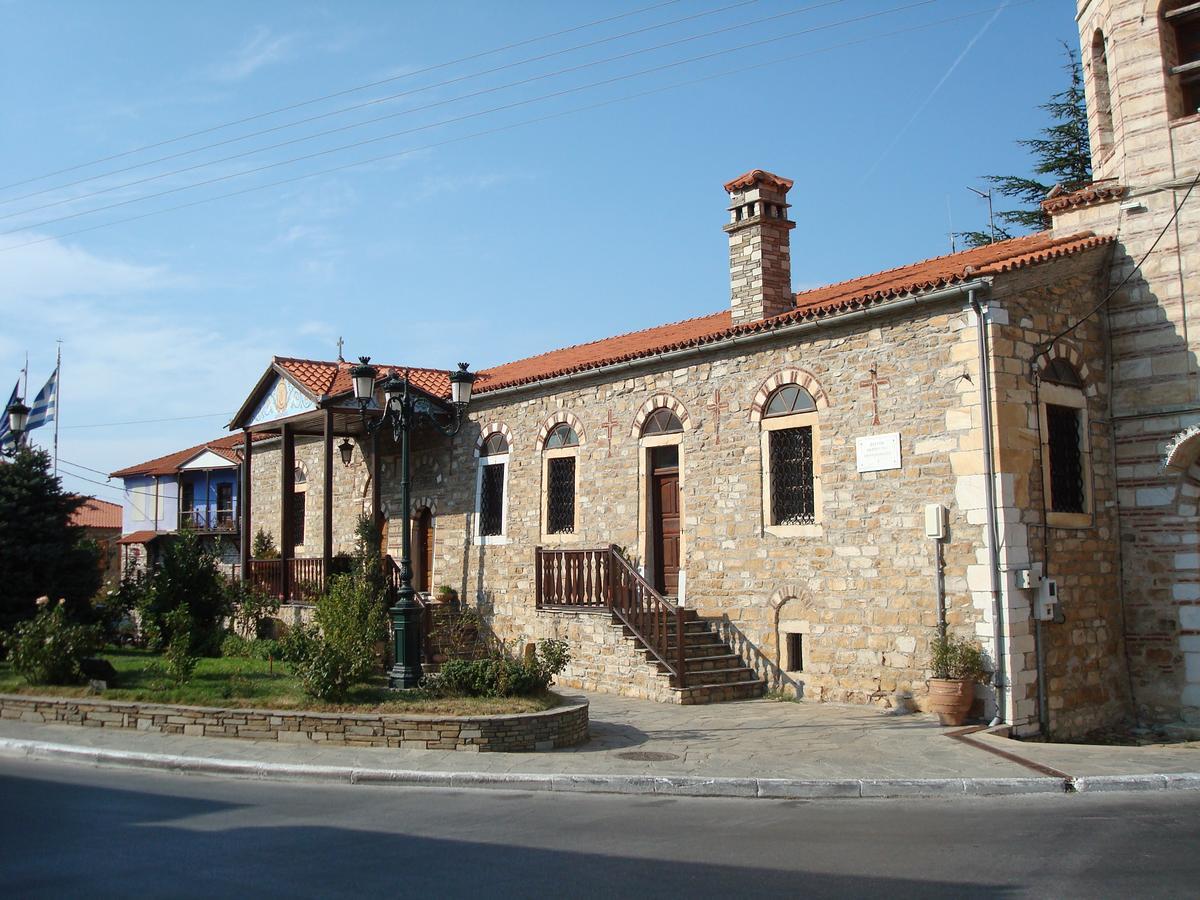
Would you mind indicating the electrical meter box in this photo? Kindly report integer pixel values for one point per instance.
(1046, 605)
(935, 521)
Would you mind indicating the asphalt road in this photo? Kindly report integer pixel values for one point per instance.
(75, 831)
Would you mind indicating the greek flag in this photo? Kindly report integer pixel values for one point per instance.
(6, 438)
(45, 404)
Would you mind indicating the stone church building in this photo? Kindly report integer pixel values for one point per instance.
(808, 486)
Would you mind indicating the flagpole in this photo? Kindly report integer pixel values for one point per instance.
(57, 405)
(25, 393)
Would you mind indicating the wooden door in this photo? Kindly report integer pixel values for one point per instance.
(665, 491)
(423, 550)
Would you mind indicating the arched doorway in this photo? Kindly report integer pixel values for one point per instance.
(422, 540)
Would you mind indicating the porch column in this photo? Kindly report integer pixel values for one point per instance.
(376, 490)
(327, 505)
(244, 503)
(287, 488)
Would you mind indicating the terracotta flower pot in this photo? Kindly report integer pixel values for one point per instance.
(951, 698)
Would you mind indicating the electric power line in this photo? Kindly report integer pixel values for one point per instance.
(373, 102)
(456, 119)
(504, 128)
(146, 421)
(409, 111)
(344, 92)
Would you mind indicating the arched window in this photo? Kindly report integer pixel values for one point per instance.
(791, 461)
(563, 435)
(661, 421)
(560, 474)
(1103, 92)
(491, 489)
(1066, 452)
(1180, 34)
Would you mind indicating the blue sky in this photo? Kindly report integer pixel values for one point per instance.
(459, 247)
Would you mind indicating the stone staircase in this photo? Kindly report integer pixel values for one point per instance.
(713, 671)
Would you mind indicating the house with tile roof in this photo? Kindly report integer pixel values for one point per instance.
(101, 523)
(195, 488)
(805, 489)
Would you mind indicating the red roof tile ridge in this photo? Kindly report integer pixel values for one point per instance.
(604, 340)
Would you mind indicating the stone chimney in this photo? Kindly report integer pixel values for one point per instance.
(760, 268)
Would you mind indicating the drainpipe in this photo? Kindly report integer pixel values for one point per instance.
(989, 473)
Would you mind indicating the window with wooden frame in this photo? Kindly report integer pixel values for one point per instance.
(224, 503)
(560, 454)
(1180, 31)
(1066, 450)
(791, 463)
(491, 490)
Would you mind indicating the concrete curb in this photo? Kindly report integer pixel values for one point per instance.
(662, 785)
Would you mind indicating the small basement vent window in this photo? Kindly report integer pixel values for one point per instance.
(795, 652)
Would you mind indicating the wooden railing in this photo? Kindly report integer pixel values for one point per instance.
(601, 578)
(305, 578)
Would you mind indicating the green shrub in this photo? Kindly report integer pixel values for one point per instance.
(298, 643)
(48, 648)
(187, 575)
(178, 661)
(252, 608)
(111, 610)
(234, 646)
(325, 672)
(954, 658)
(500, 675)
(263, 546)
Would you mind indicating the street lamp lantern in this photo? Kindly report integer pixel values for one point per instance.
(460, 385)
(364, 380)
(346, 449)
(18, 420)
(402, 409)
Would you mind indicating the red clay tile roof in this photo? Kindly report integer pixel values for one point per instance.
(756, 175)
(817, 303)
(226, 447)
(323, 379)
(97, 513)
(844, 296)
(139, 537)
(1098, 192)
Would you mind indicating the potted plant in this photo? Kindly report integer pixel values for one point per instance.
(445, 594)
(958, 665)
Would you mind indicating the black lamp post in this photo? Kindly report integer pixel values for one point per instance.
(402, 410)
(18, 419)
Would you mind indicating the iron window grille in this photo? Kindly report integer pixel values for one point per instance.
(1066, 460)
(491, 500)
(793, 496)
(560, 501)
(298, 518)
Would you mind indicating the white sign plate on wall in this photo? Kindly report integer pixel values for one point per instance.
(877, 452)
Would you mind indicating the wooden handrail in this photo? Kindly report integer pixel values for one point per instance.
(600, 577)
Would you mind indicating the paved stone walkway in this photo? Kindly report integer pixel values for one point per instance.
(752, 739)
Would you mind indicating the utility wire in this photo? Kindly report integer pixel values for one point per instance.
(503, 128)
(343, 92)
(466, 116)
(404, 112)
(378, 100)
(85, 468)
(111, 487)
(1046, 346)
(146, 421)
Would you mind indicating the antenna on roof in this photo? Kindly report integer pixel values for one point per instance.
(991, 219)
(950, 222)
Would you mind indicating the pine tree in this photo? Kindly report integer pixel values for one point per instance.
(41, 552)
(1062, 152)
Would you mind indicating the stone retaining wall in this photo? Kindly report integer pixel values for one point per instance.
(562, 726)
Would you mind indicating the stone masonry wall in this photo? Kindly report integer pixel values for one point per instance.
(1154, 345)
(859, 586)
(562, 726)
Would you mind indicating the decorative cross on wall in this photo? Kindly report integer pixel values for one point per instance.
(608, 425)
(873, 383)
(718, 406)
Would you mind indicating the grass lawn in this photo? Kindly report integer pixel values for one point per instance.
(257, 683)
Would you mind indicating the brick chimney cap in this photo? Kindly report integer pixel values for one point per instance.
(758, 176)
